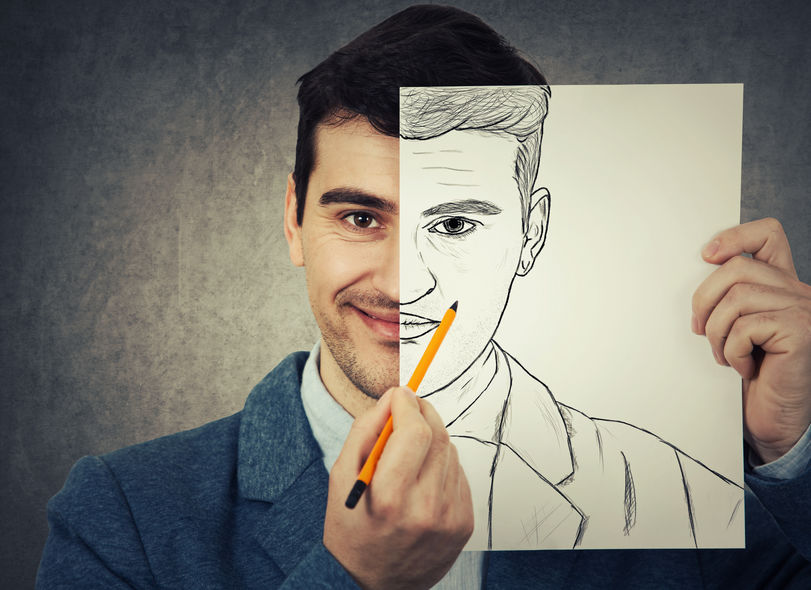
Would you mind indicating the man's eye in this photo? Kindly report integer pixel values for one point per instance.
(453, 226)
(362, 220)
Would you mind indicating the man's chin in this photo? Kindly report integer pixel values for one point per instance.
(373, 390)
(372, 380)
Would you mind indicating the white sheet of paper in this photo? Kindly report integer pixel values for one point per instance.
(640, 178)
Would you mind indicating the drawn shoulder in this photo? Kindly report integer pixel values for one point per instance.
(667, 497)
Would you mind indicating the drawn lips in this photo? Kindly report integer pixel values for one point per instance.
(413, 326)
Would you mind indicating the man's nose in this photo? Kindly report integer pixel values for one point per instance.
(416, 279)
(387, 274)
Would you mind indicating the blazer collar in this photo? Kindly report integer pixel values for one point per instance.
(281, 463)
(276, 444)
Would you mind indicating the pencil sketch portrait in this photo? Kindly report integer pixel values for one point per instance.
(474, 219)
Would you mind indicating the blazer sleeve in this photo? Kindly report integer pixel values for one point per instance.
(319, 570)
(93, 541)
(788, 501)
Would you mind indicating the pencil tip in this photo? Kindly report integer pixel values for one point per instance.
(455, 304)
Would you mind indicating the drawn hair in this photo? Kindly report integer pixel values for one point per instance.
(518, 111)
(423, 45)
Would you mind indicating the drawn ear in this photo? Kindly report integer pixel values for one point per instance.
(292, 230)
(535, 235)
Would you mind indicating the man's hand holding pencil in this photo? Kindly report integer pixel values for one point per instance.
(417, 515)
(415, 518)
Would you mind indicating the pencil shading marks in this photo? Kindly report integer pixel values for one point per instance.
(543, 475)
(446, 168)
(630, 498)
(734, 514)
(688, 501)
(599, 439)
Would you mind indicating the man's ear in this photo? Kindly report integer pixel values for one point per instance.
(535, 234)
(292, 230)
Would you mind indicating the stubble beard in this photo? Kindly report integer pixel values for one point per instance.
(372, 380)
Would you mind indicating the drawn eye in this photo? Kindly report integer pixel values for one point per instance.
(453, 226)
(362, 220)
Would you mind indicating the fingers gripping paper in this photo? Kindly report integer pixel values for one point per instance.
(585, 412)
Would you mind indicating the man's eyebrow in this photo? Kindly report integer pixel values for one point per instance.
(358, 197)
(470, 206)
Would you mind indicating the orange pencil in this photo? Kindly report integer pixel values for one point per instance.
(365, 475)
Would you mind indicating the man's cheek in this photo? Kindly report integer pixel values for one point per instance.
(340, 264)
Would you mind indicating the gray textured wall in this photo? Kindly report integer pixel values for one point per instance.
(145, 279)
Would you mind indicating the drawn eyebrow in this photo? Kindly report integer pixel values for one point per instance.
(355, 196)
(469, 206)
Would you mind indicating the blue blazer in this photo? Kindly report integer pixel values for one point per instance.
(240, 502)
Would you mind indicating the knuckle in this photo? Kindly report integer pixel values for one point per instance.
(736, 263)
(773, 224)
(424, 521)
(712, 330)
(698, 301)
(460, 527)
(420, 434)
(735, 292)
(466, 530)
(454, 453)
(386, 506)
(441, 437)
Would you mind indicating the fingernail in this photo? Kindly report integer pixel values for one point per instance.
(694, 324)
(711, 249)
(718, 358)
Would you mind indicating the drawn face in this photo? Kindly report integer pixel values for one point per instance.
(348, 243)
(461, 239)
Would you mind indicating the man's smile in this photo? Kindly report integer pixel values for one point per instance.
(413, 326)
(384, 323)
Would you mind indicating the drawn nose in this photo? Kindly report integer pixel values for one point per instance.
(416, 279)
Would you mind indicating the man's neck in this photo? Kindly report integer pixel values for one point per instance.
(454, 398)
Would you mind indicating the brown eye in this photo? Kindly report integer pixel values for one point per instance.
(362, 220)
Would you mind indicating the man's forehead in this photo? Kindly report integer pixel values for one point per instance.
(335, 136)
(354, 164)
(461, 154)
(458, 166)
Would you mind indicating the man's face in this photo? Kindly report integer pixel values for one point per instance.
(461, 239)
(348, 242)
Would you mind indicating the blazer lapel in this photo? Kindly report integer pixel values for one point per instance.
(280, 463)
(294, 524)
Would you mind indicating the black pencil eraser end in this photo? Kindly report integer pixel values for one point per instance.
(355, 494)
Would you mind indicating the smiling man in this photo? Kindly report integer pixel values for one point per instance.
(256, 500)
(349, 247)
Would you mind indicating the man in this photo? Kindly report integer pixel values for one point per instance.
(246, 502)
(470, 209)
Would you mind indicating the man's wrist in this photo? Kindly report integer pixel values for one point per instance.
(787, 466)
